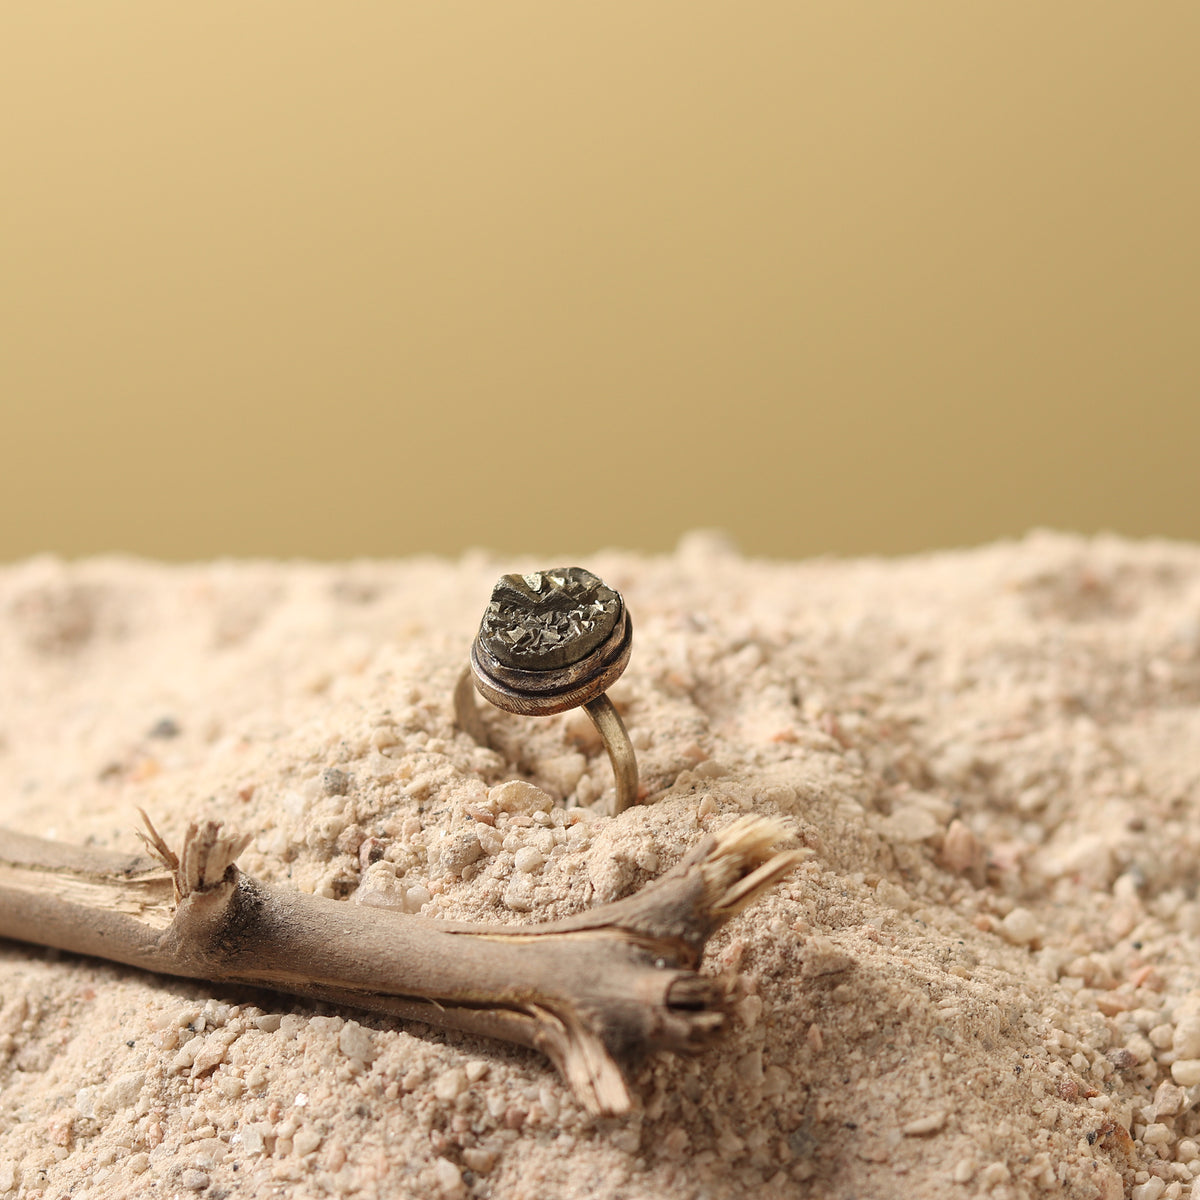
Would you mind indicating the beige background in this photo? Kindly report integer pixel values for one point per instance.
(374, 278)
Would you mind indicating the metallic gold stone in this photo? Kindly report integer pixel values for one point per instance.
(549, 619)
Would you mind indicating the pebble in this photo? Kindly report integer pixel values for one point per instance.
(253, 1139)
(1186, 1038)
(1021, 927)
(1157, 1134)
(562, 772)
(458, 851)
(477, 1160)
(355, 1042)
(384, 736)
(194, 1181)
(187, 1055)
(1186, 1072)
(518, 896)
(911, 824)
(1169, 1100)
(1150, 1190)
(305, 1141)
(960, 850)
(448, 1176)
(924, 1125)
(334, 782)
(450, 1084)
(415, 898)
(528, 859)
(517, 796)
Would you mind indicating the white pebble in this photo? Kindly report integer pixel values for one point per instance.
(924, 1125)
(1021, 927)
(528, 859)
(306, 1141)
(124, 1091)
(253, 1140)
(911, 824)
(449, 1177)
(479, 1161)
(994, 1174)
(1150, 1190)
(1156, 1135)
(451, 1084)
(960, 850)
(1169, 1100)
(519, 894)
(415, 897)
(517, 796)
(1186, 1072)
(355, 1042)
(1186, 1040)
(187, 1056)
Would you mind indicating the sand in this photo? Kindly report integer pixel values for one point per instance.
(984, 980)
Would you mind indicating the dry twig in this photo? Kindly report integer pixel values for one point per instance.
(589, 991)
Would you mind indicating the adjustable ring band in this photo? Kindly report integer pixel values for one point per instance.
(549, 642)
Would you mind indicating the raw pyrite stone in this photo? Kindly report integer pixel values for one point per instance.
(548, 620)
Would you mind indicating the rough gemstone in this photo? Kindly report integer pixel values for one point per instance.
(548, 620)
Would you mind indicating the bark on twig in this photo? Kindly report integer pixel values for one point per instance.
(590, 991)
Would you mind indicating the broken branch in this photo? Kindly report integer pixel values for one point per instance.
(589, 991)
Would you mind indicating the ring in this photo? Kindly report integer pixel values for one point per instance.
(549, 642)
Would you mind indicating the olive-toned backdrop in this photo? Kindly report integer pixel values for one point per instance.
(373, 278)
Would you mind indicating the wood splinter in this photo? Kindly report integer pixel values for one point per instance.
(606, 985)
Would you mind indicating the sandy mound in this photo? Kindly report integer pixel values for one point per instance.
(984, 979)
